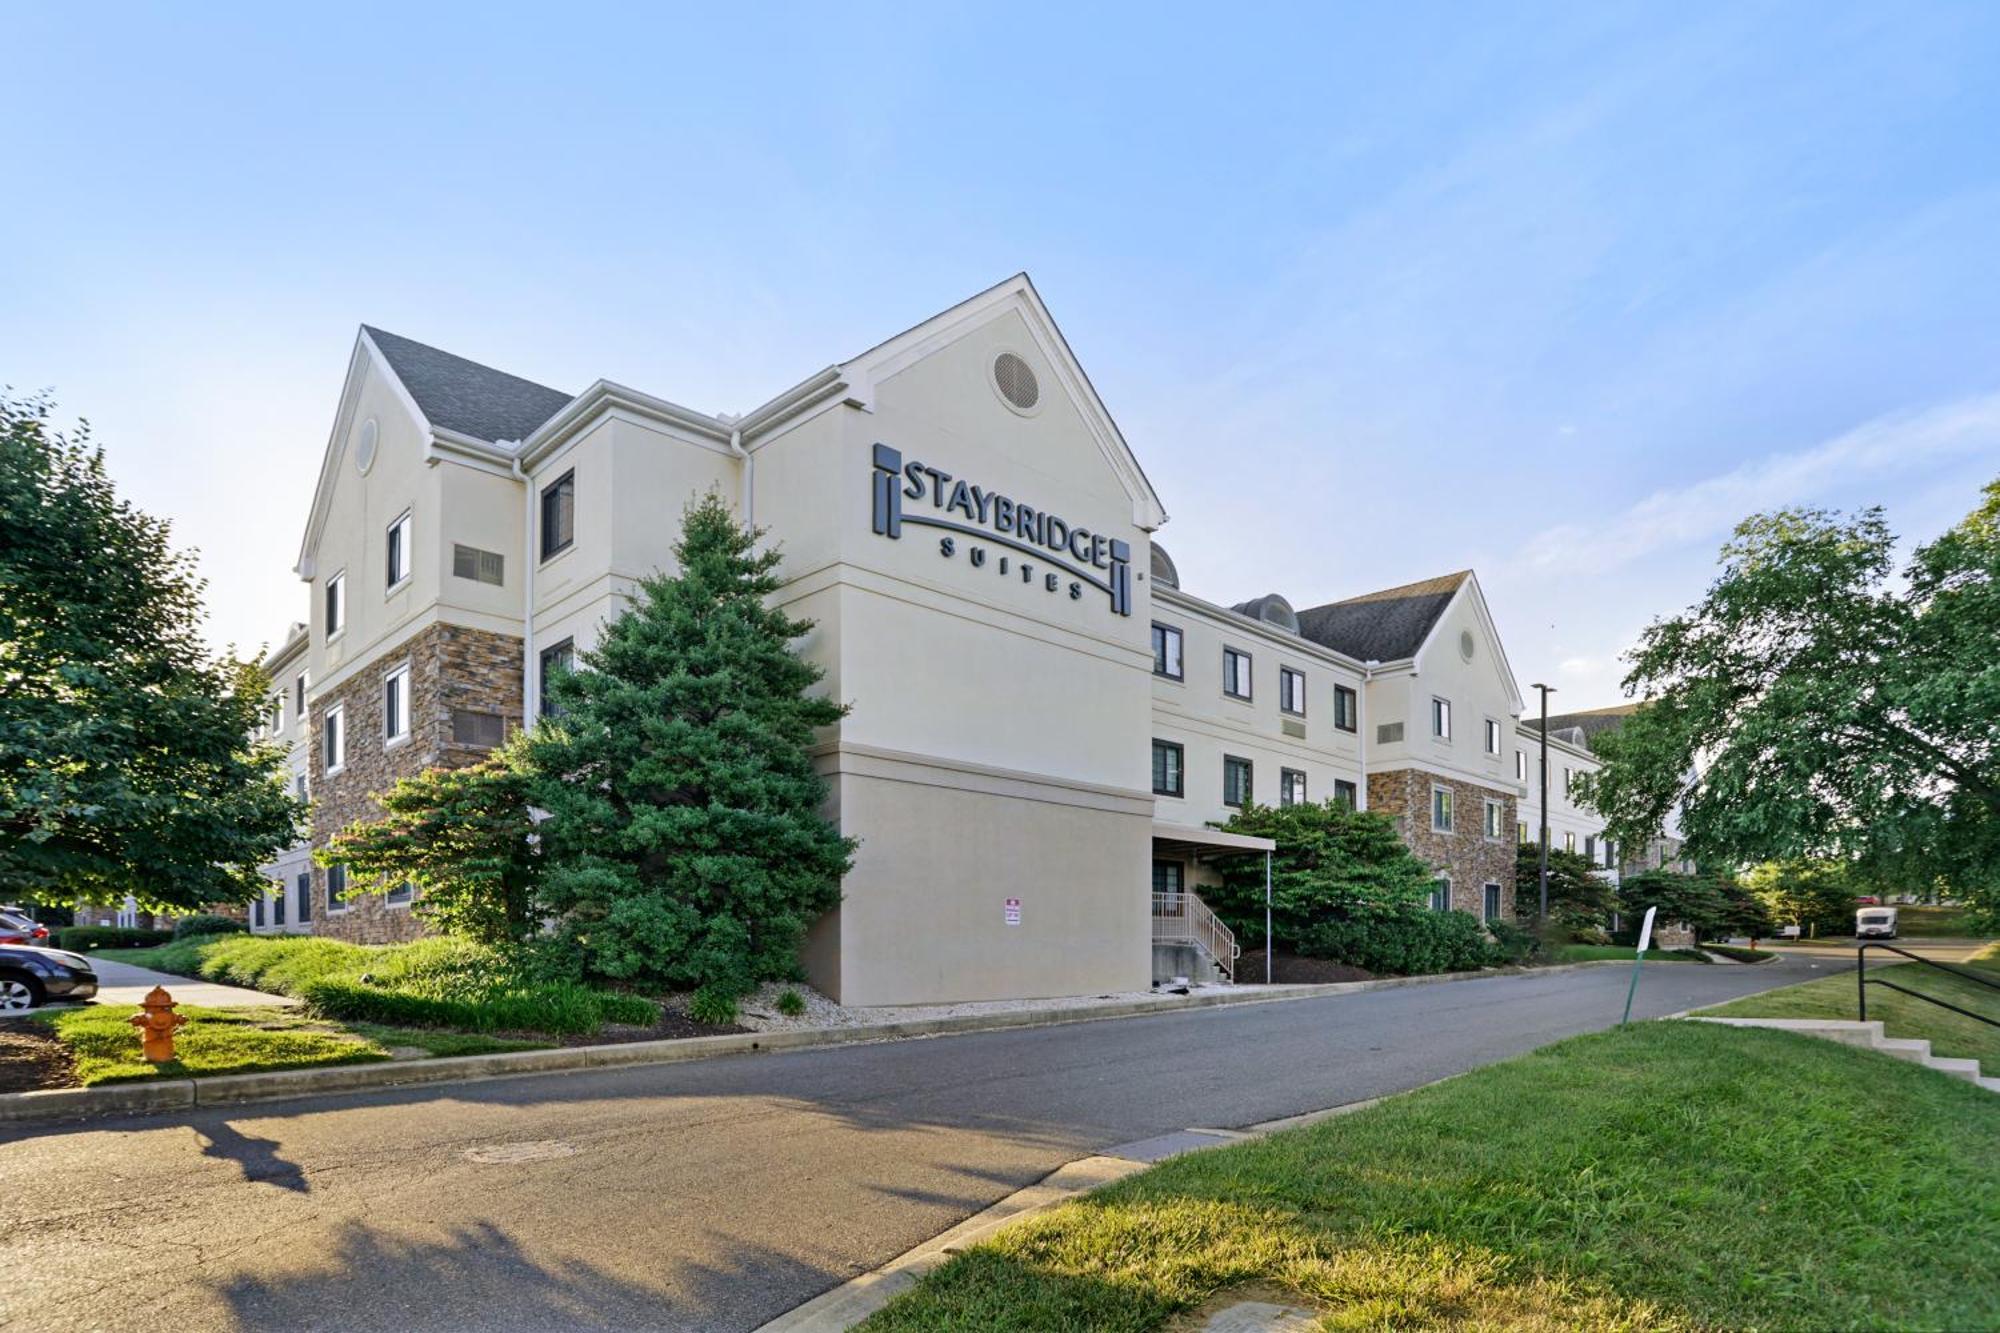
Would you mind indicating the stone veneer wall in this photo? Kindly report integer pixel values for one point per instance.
(1466, 854)
(451, 667)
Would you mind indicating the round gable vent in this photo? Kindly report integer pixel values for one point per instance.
(1466, 644)
(364, 446)
(1015, 379)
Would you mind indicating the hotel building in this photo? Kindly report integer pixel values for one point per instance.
(1043, 722)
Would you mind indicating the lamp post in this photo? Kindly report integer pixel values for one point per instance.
(1547, 690)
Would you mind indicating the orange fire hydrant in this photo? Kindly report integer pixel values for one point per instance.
(157, 1022)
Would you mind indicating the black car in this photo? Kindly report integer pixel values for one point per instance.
(29, 977)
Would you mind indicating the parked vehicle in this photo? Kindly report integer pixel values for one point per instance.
(1875, 923)
(31, 977)
(18, 929)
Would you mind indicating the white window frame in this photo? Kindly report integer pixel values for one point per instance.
(334, 744)
(340, 903)
(1493, 738)
(1520, 765)
(1440, 718)
(398, 675)
(1449, 807)
(336, 583)
(1441, 878)
(405, 524)
(1243, 677)
(1490, 891)
(299, 696)
(1569, 842)
(1496, 820)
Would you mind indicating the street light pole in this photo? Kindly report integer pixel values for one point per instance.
(1543, 914)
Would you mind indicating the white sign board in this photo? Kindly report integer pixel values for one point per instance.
(1013, 911)
(1646, 930)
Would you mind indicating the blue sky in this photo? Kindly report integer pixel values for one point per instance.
(1558, 293)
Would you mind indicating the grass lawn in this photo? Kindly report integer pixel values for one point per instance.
(1661, 1176)
(1936, 923)
(1740, 955)
(244, 1041)
(1590, 953)
(1902, 1015)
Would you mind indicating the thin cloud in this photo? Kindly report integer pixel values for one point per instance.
(1704, 511)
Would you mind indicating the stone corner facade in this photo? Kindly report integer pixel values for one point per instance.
(1465, 854)
(453, 670)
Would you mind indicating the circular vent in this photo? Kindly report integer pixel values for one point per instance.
(1015, 379)
(364, 447)
(1465, 644)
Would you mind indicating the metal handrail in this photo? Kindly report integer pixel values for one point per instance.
(1182, 917)
(1862, 981)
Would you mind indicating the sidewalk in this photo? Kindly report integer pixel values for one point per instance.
(124, 984)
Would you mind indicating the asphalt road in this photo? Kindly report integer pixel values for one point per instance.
(713, 1195)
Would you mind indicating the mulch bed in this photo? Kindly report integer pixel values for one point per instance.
(32, 1059)
(1290, 969)
(673, 1024)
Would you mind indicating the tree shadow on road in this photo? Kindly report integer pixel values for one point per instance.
(257, 1157)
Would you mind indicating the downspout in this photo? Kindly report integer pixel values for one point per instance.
(530, 687)
(1368, 670)
(747, 503)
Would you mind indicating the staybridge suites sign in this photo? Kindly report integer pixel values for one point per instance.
(1049, 552)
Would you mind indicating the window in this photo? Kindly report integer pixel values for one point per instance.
(1441, 719)
(1166, 651)
(1441, 809)
(1236, 788)
(1590, 848)
(556, 660)
(396, 705)
(278, 905)
(1441, 894)
(1569, 783)
(256, 912)
(1520, 765)
(299, 696)
(1292, 691)
(1345, 714)
(1492, 912)
(1169, 878)
(1492, 737)
(336, 604)
(400, 893)
(336, 888)
(1521, 833)
(559, 514)
(1569, 842)
(1169, 764)
(1495, 816)
(334, 742)
(1236, 673)
(397, 561)
(299, 786)
(1344, 793)
(469, 562)
(1291, 787)
(484, 730)
(277, 715)
(305, 888)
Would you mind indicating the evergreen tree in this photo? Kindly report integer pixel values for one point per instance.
(1578, 899)
(463, 836)
(1330, 860)
(685, 842)
(126, 764)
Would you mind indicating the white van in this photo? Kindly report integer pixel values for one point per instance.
(1875, 922)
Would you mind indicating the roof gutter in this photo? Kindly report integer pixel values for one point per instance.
(531, 687)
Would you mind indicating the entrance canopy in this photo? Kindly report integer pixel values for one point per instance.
(1192, 840)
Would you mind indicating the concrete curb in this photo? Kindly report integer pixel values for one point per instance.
(234, 1089)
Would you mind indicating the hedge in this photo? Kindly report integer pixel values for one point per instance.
(1405, 940)
(82, 939)
(207, 923)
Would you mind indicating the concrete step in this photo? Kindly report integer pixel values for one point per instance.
(1957, 1068)
(1913, 1049)
(1990, 1084)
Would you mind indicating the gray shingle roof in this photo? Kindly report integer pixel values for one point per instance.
(1590, 723)
(1385, 626)
(465, 396)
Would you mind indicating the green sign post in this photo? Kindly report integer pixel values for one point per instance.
(1645, 940)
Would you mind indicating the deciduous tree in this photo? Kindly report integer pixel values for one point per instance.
(126, 759)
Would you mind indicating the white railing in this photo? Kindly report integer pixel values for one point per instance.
(1182, 918)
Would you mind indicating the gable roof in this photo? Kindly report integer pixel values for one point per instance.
(1385, 626)
(464, 396)
(1588, 723)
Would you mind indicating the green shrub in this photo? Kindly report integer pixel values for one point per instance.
(791, 1004)
(712, 1004)
(207, 923)
(82, 939)
(1400, 939)
(1516, 944)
